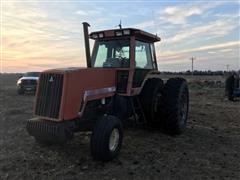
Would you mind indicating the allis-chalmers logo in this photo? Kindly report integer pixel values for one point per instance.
(51, 79)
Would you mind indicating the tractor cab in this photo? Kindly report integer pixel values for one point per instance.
(124, 48)
(130, 51)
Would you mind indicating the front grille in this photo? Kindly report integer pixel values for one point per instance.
(27, 82)
(49, 95)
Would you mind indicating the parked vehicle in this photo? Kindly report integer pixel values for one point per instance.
(28, 82)
(121, 81)
(232, 86)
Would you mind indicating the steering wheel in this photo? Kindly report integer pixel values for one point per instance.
(124, 62)
(108, 62)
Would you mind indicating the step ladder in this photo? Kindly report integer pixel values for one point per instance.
(138, 113)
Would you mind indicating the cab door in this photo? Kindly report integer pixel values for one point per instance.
(145, 61)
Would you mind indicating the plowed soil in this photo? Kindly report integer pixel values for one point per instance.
(208, 149)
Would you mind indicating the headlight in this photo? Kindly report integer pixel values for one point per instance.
(126, 32)
(19, 81)
(118, 33)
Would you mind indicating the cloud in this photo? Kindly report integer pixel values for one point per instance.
(81, 12)
(89, 12)
(143, 25)
(173, 25)
(212, 29)
(214, 57)
(211, 52)
(32, 36)
(49, 35)
(180, 14)
(226, 50)
(233, 44)
(176, 15)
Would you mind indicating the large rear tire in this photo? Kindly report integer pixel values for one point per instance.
(174, 106)
(106, 138)
(150, 99)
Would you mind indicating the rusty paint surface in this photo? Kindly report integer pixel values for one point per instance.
(79, 81)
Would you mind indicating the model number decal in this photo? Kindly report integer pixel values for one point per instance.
(98, 91)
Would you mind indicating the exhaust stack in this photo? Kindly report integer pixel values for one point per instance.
(87, 46)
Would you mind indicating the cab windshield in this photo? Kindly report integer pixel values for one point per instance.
(111, 54)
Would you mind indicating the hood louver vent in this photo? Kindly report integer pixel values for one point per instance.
(49, 95)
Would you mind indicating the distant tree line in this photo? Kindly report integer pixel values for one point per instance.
(196, 72)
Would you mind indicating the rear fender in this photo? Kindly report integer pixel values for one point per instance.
(150, 76)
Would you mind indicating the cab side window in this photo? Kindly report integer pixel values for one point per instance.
(153, 56)
(143, 56)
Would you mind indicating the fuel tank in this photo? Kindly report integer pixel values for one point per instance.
(62, 93)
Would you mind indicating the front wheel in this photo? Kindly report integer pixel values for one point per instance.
(106, 138)
(20, 91)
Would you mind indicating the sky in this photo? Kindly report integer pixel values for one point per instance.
(39, 35)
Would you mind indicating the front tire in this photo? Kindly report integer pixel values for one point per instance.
(106, 138)
(20, 91)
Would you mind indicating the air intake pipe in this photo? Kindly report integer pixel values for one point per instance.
(87, 46)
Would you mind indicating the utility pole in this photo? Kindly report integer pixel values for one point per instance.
(192, 59)
(227, 67)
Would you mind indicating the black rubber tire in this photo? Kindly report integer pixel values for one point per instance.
(101, 136)
(229, 87)
(150, 99)
(20, 91)
(174, 101)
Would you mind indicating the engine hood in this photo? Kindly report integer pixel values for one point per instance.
(66, 70)
(79, 86)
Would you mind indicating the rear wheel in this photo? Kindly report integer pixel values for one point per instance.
(174, 106)
(150, 99)
(106, 138)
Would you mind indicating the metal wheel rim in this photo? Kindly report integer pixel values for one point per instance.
(114, 139)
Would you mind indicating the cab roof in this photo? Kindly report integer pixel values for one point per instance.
(124, 32)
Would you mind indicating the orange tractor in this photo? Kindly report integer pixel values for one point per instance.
(121, 82)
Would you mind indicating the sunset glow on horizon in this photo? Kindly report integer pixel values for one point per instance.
(39, 35)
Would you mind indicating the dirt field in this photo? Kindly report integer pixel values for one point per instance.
(209, 148)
